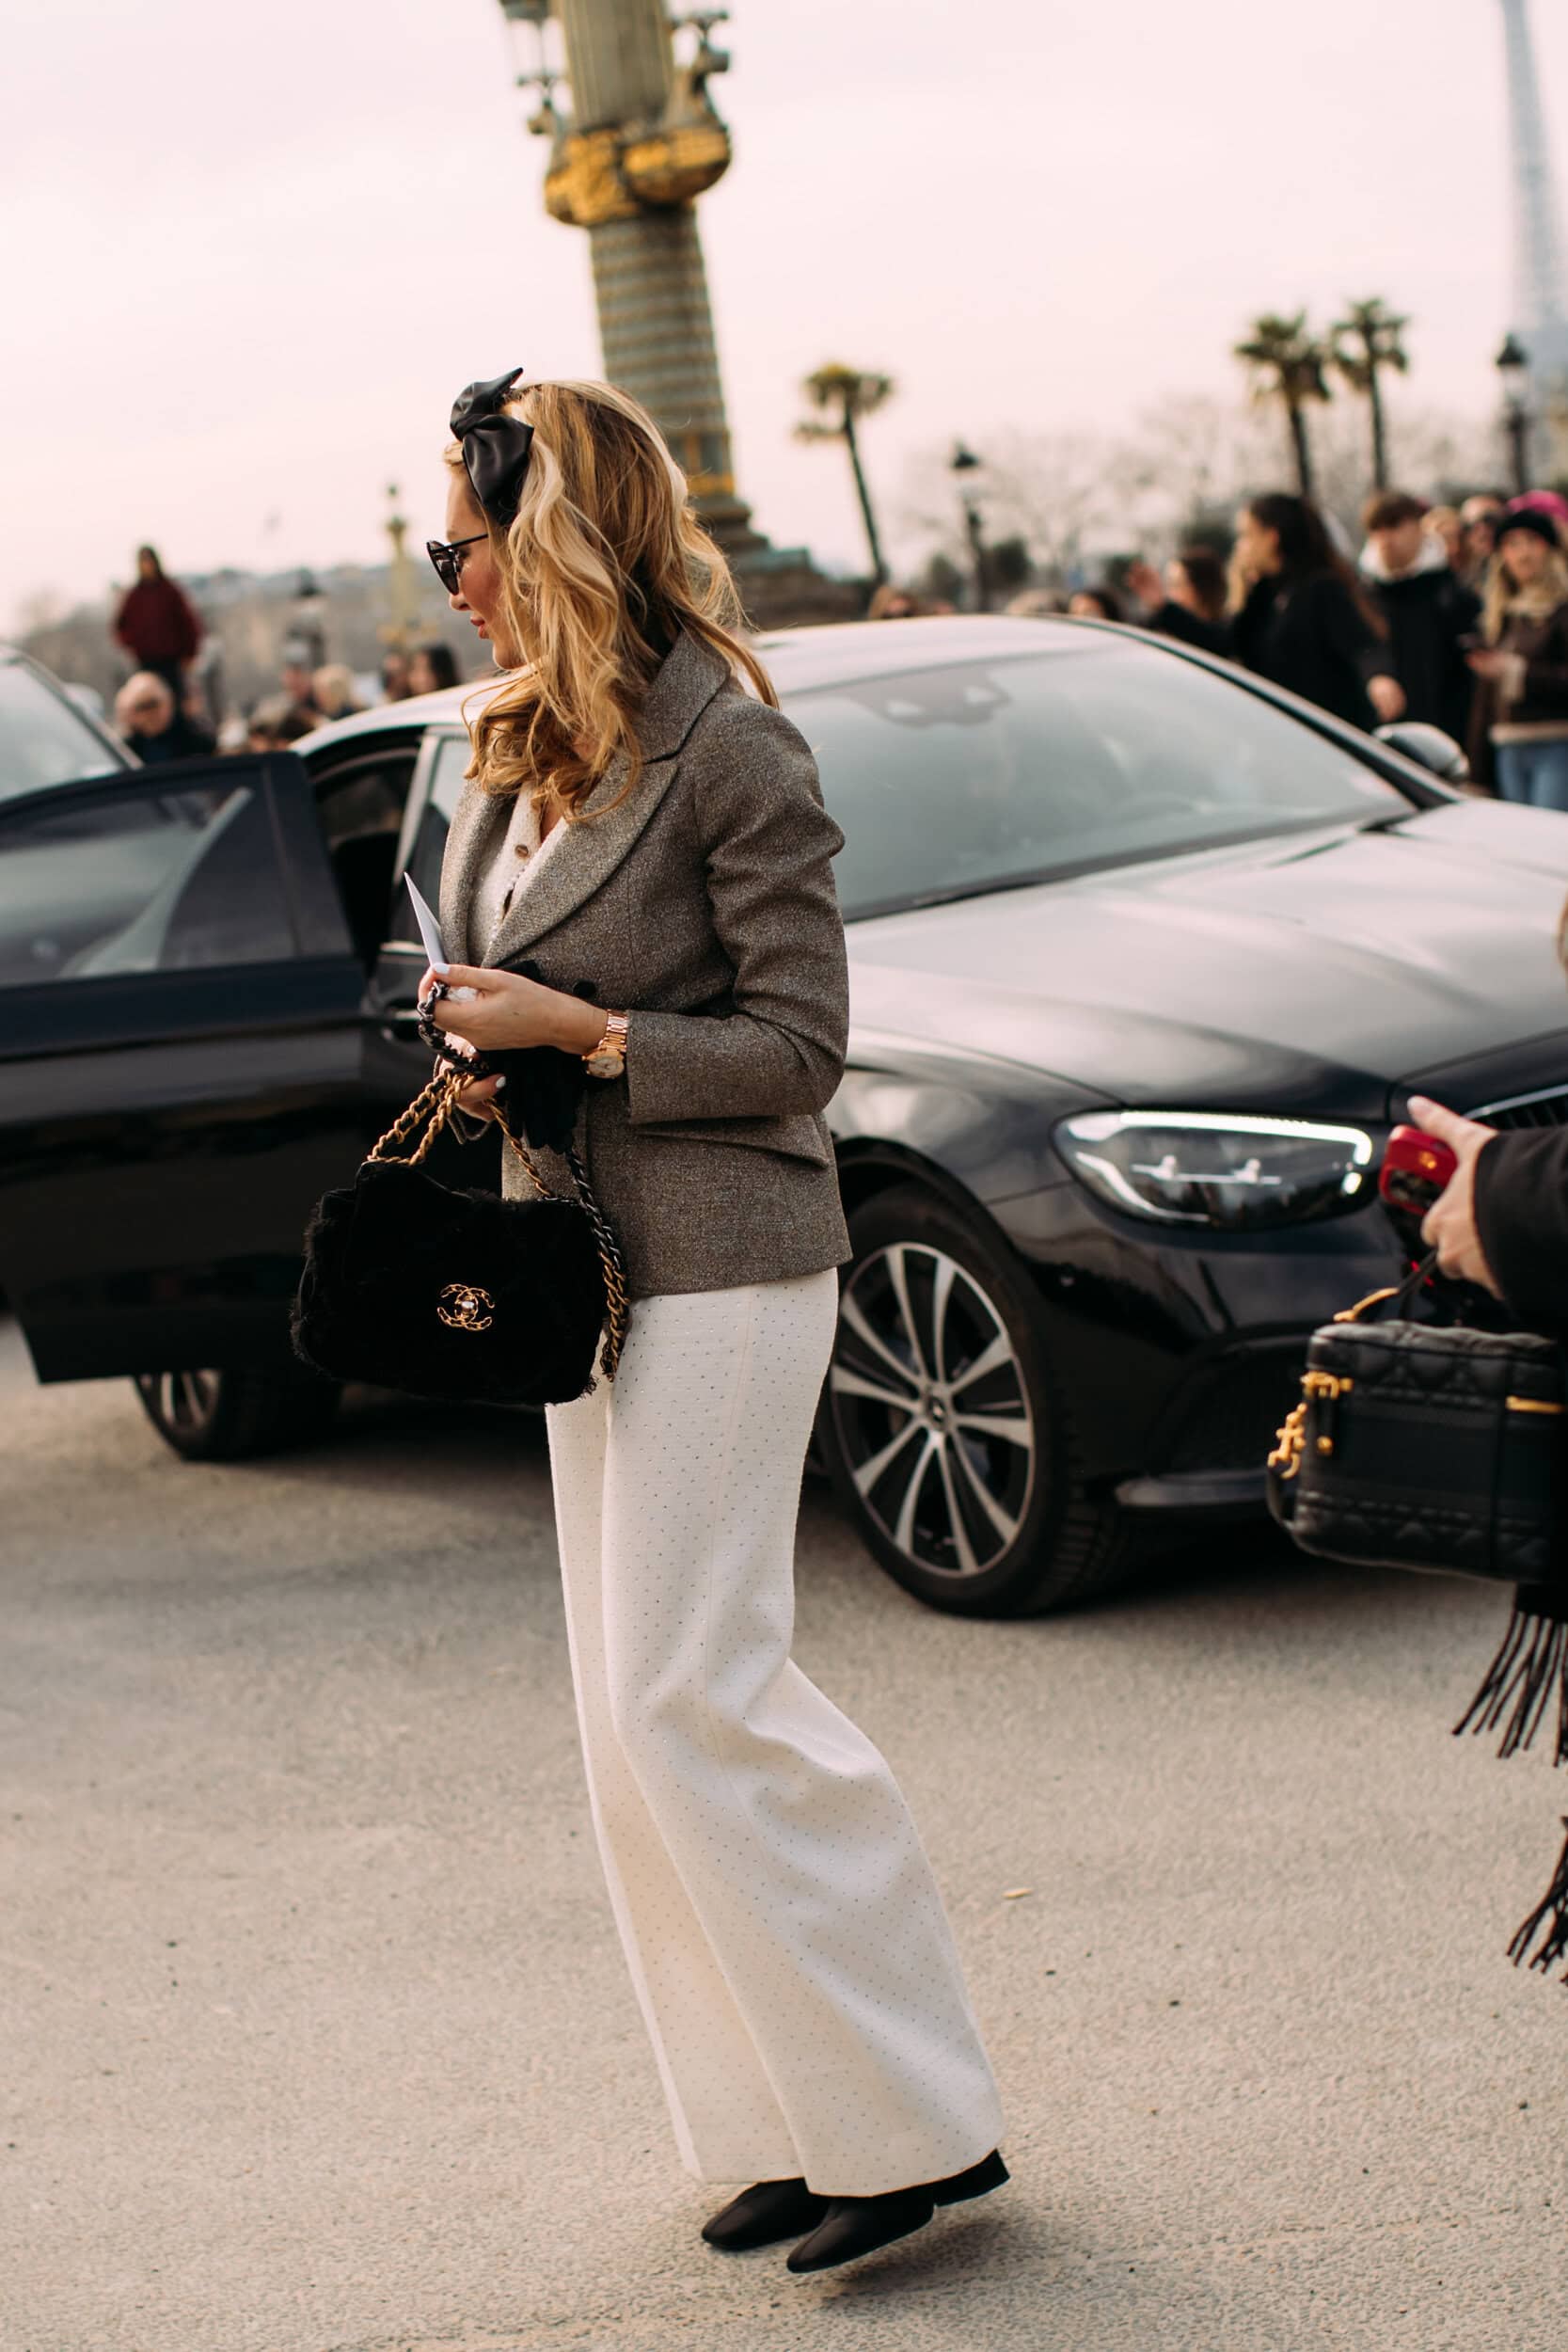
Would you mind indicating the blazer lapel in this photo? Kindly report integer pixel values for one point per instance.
(596, 845)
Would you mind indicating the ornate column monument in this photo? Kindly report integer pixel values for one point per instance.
(641, 141)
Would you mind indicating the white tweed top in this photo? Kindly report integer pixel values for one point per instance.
(508, 871)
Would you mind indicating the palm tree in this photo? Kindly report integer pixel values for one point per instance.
(1364, 342)
(846, 395)
(1289, 364)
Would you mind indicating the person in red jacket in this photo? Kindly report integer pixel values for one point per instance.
(156, 624)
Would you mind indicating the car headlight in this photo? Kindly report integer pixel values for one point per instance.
(1208, 1168)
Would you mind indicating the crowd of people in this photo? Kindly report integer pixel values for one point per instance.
(1453, 616)
(1456, 619)
(159, 709)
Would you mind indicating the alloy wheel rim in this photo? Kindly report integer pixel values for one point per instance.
(931, 1409)
(180, 1401)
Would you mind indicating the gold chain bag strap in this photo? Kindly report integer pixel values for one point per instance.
(412, 1285)
(617, 1304)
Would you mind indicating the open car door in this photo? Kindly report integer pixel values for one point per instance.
(181, 1065)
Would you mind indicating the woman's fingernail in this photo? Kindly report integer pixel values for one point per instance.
(500, 1085)
(442, 968)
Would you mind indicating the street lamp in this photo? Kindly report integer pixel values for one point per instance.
(1514, 374)
(964, 461)
(525, 23)
(401, 600)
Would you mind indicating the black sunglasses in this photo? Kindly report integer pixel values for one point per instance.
(446, 555)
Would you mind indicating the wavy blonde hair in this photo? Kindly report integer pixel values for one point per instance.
(602, 568)
(1501, 596)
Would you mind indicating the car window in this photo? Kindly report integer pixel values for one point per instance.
(976, 774)
(153, 882)
(452, 755)
(360, 804)
(43, 738)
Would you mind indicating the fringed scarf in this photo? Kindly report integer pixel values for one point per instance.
(1529, 1669)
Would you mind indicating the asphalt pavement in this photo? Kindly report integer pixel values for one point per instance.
(317, 2037)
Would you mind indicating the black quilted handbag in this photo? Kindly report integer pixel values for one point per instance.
(462, 1296)
(1417, 1446)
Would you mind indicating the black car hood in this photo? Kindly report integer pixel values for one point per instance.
(1295, 974)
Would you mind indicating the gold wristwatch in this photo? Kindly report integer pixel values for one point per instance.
(608, 1057)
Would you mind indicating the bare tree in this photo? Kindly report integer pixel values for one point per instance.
(1055, 491)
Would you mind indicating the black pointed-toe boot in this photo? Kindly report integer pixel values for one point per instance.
(853, 2226)
(764, 2214)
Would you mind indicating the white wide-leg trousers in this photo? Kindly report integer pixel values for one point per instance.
(784, 1933)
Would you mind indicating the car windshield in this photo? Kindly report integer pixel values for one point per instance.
(972, 776)
(44, 739)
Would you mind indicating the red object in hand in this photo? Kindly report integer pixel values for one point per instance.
(1415, 1170)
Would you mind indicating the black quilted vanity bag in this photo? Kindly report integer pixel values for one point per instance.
(1417, 1446)
(411, 1284)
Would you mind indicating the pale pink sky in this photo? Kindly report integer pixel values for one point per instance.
(252, 252)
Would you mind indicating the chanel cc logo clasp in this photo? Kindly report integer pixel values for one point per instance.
(459, 1305)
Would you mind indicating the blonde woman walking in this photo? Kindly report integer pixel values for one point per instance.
(638, 822)
(1524, 665)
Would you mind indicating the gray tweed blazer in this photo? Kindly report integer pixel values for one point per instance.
(704, 907)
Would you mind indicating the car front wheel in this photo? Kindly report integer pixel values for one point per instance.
(230, 1414)
(943, 1428)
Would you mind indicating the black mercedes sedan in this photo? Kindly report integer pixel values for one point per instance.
(1145, 958)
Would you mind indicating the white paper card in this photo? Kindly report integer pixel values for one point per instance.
(430, 930)
(429, 939)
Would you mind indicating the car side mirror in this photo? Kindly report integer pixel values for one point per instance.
(1429, 747)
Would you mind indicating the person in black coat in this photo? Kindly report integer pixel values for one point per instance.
(1429, 613)
(1305, 620)
(153, 725)
(1502, 1222)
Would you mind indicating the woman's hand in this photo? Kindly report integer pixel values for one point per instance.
(1387, 699)
(1450, 1224)
(476, 1096)
(508, 1013)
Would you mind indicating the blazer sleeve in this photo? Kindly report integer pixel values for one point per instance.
(769, 844)
(1521, 1204)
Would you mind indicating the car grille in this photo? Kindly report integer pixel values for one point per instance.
(1548, 1107)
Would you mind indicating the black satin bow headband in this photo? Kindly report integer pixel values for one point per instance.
(494, 446)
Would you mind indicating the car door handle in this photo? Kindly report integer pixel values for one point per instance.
(403, 1019)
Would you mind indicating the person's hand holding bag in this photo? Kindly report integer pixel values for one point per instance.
(1450, 1224)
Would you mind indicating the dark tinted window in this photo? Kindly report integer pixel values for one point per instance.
(974, 774)
(360, 804)
(44, 739)
(152, 881)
